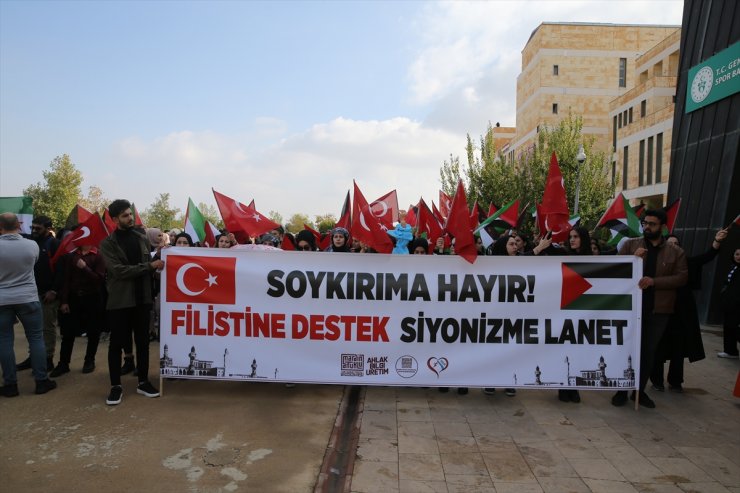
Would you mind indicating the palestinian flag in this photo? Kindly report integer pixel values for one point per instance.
(137, 217)
(621, 219)
(77, 215)
(581, 278)
(198, 227)
(109, 222)
(21, 207)
(506, 216)
(671, 213)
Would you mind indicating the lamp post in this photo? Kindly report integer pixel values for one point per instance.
(581, 158)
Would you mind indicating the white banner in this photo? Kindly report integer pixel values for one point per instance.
(415, 320)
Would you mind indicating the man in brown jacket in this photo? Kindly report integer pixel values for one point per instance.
(664, 271)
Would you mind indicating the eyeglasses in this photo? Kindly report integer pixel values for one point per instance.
(650, 223)
(305, 248)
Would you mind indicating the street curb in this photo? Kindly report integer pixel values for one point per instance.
(335, 475)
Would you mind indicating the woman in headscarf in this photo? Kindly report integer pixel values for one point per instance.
(339, 240)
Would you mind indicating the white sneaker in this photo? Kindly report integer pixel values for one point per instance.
(727, 355)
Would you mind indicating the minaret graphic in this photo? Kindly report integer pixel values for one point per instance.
(226, 356)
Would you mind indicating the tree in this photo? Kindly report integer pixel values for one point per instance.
(275, 216)
(296, 222)
(325, 222)
(59, 192)
(211, 214)
(490, 177)
(95, 200)
(160, 214)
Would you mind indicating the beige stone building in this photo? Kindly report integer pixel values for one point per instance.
(642, 125)
(582, 68)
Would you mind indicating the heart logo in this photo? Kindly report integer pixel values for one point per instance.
(437, 365)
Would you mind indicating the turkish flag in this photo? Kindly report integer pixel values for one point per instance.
(411, 215)
(195, 279)
(366, 227)
(445, 205)
(426, 222)
(242, 220)
(554, 206)
(385, 209)
(458, 225)
(88, 233)
(438, 214)
(553, 199)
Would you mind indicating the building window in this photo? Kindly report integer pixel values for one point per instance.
(630, 114)
(643, 108)
(554, 70)
(614, 174)
(650, 161)
(625, 118)
(641, 168)
(554, 108)
(625, 166)
(620, 120)
(622, 72)
(659, 158)
(614, 135)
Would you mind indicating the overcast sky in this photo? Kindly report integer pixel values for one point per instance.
(281, 102)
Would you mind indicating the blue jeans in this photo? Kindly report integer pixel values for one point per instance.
(31, 317)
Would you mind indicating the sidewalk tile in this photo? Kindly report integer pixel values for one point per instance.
(414, 413)
(596, 469)
(716, 465)
(563, 485)
(469, 484)
(602, 435)
(377, 449)
(371, 477)
(657, 488)
(505, 487)
(578, 449)
(416, 486)
(680, 468)
(452, 429)
(455, 445)
(416, 428)
(417, 444)
(545, 459)
(654, 447)
(606, 486)
(508, 465)
(422, 467)
(464, 464)
(632, 465)
(711, 487)
(493, 443)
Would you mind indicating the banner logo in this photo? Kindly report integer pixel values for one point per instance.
(575, 286)
(201, 279)
(353, 365)
(406, 366)
(437, 365)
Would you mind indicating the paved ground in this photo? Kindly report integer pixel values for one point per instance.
(233, 436)
(415, 440)
(198, 437)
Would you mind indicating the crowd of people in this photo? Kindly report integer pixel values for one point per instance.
(114, 289)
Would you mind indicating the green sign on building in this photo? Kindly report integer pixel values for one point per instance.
(714, 79)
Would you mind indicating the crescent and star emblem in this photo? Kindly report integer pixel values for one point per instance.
(362, 221)
(85, 233)
(180, 279)
(384, 208)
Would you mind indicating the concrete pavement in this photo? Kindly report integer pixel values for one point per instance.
(416, 440)
(234, 436)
